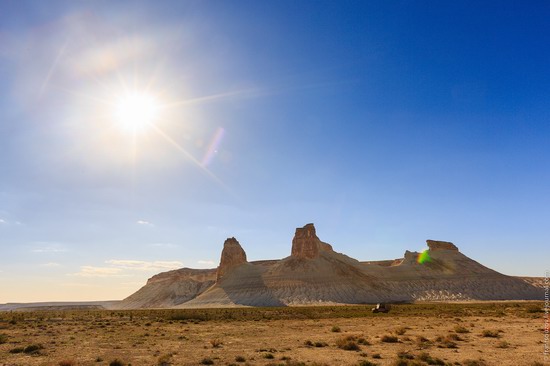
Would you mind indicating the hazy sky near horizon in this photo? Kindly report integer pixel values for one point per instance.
(385, 123)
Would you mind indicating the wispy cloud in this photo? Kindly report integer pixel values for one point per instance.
(50, 264)
(164, 245)
(144, 222)
(126, 268)
(2, 221)
(91, 271)
(206, 262)
(47, 247)
(144, 265)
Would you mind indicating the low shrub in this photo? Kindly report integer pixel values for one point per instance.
(461, 329)
(67, 363)
(33, 348)
(490, 333)
(165, 360)
(367, 363)
(503, 344)
(389, 339)
(400, 331)
(425, 357)
(347, 343)
(216, 342)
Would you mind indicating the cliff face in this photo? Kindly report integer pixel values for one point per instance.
(441, 245)
(306, 244)
(315, 274)
(232, 256)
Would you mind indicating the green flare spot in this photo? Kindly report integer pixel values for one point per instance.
(424, 257)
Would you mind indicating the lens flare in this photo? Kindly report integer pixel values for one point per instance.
(424, 257)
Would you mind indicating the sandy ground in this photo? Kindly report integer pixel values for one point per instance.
(518, 341)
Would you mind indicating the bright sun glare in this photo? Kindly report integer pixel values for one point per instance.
(135, 111)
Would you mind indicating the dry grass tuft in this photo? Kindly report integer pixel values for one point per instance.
(490, 333)
(216, 342)
(389, 339)
(347, 343)
(67, 363)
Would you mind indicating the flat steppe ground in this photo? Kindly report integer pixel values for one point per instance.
(502, 333)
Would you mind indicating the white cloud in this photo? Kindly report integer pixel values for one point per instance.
(163, 245)
(144, 222)
(45, 247)
(125, 267)
(206, 263)
(91, 271)
(50, 264)
(3, 221)
(144, 265)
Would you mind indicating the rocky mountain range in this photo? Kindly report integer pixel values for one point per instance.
(316, 274)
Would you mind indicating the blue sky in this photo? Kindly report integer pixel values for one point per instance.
(384, 123)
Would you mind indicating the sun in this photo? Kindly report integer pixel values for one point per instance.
(136, 111)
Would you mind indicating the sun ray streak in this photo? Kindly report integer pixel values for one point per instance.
(52, 69)
(192, 158)
(247, 92)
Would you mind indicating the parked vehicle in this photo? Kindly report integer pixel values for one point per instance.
(381, 308)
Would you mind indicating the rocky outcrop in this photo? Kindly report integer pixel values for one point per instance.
(441, 245)
(170, 289)
(233, 255)
(315, 274)
(306, 244)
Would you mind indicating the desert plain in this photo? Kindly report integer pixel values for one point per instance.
(483, 333)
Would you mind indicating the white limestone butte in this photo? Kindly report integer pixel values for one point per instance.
(315, 274)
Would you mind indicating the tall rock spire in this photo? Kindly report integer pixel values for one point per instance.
(233, 255)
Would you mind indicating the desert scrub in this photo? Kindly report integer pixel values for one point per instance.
(389, 339)
(207, 361)
(116, 362)
(347, 343)
(165, 360)
(474, 363)
(216, 342)
(447, 341)
(67, 363)
(367, 363)
(240, 359)
(461, 329)
(335, 329)
(269, 356)
(405, 355)
(490, 333)
(453, 337)
(33, 348)
(309, 343)
(503, 344)
(3, 338)
(400, 331)
(425, 357)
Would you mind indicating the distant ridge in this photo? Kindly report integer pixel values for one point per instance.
(314, 274)
(57, 305)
